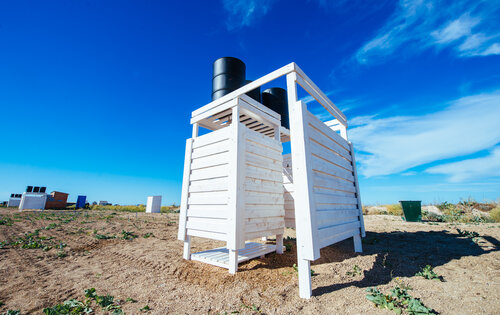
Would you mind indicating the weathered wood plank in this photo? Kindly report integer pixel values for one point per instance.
(327, 232)
(208, 198)
(264, 174)
(335, 238)
(208, 225)
(329, 155)
(212, 184)
(333, 199)
(323, 180)
(324, 167)
(327, 131)
(259, 138)
(210, 172)
(315, 135)
(210, 138)
(210, 160)
(205, 234)
(214, 148)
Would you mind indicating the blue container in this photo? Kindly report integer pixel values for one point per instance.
(80, 202)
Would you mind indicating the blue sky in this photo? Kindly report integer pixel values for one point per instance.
(95, 96)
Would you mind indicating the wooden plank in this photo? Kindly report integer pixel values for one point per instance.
(219, 213)
(215, 148)
(208, 198)
(332, 207)
(205, 234)
(332, 239)
(322, 190)
(305, 215)
(320, 138)
(323, 180)
(221, 107)
(264, 141)
(212, 184)
(264, 199)
(252, 184)
(254, 148)
(272, 218)
(210, 172)
(208, 225)
(329, 155)
(264, 226)
(327, 131)
(326, 168)
(210, 160)
(336, 221)
(356, 182)
(209, 138)
(263, 162)
(263, 173)
(307, 84)
(264, 213)
(333, 199)
(181, 235)
(327, 232)
(252, 235)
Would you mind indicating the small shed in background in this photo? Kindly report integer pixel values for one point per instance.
(56, 200)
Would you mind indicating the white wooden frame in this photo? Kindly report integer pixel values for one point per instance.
(310, 235)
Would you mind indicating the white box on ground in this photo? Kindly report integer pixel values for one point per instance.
(14, 202)
(33, 201)
(154, 204)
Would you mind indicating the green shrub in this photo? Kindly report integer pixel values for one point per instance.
(394, 209)
(495, 214)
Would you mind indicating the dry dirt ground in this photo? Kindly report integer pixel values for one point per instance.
(151, 270)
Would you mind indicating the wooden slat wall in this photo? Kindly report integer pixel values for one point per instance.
(264, 202)
(334, 189)
(207, 209)
(288, 186)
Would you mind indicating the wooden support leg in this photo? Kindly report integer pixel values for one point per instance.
(279, 244)
(233, 261)
(305, 290)
(187, 248)
(358, 248)
(264, 238)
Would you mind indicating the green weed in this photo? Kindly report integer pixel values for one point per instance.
(398, 301)
(429, 274)
(145, 308)
(355, 271)
(128, 235)
(148, 235)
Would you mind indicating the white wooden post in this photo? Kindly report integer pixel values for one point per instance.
(184, 198)
(187, 248)
(307, 247)
(357, 244)
(279, 244)
(356, 183)
(236, 202)
(305, 288)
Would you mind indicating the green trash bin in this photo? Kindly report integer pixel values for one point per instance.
(412, 210)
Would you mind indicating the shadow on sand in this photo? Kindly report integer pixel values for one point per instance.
(402, 254)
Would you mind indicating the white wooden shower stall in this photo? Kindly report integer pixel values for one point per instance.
(238, 186)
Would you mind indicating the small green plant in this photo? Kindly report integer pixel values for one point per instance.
(468, 234)
(131, 300)
(145, 308)
(128, 235)
(51, 226)
(148, 235)
(61, 254)
(394, 209)
(398, 301)
(296, 268)
(12, 312)
(355, 271)
(429, 274)
(252, 307)
(288, 247)
(495, 214)
(5, 221)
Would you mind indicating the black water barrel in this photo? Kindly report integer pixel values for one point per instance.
(228, 75)
(36, 189)
(29, 189)
(255, 93)
(276, 99)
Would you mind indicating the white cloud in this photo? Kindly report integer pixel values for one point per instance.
(245, 12)
(469, 27)
(488, 166)
(394, 144)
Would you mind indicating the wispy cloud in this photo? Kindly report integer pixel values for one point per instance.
(488, 166)
(243, 13)
(470, 28)
(395, 144)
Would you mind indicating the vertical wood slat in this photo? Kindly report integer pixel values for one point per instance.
(356, 183)
(236, 202)
(305, 208)
(185, 190)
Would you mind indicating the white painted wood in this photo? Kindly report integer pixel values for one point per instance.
(360, 205)
(258, 234)
(358, 247)
(181, 235)
(32, 200)
(153, 204)
(326, 232)
(323, 180)
(214, 148)
(187, 248)
(327, 131)
(211, 184)
(325, 167)
(207, 224)
(210, 172)
(302, 174)
(233, 261)
(328, 142)
(279, 244)
(329, 155)
(335, 238)
(220, 212)
(305, 288)
(210, 235)
(14, 202)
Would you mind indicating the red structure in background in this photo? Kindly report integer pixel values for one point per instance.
(56, 200)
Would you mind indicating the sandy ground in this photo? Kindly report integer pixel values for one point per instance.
(151, 270)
